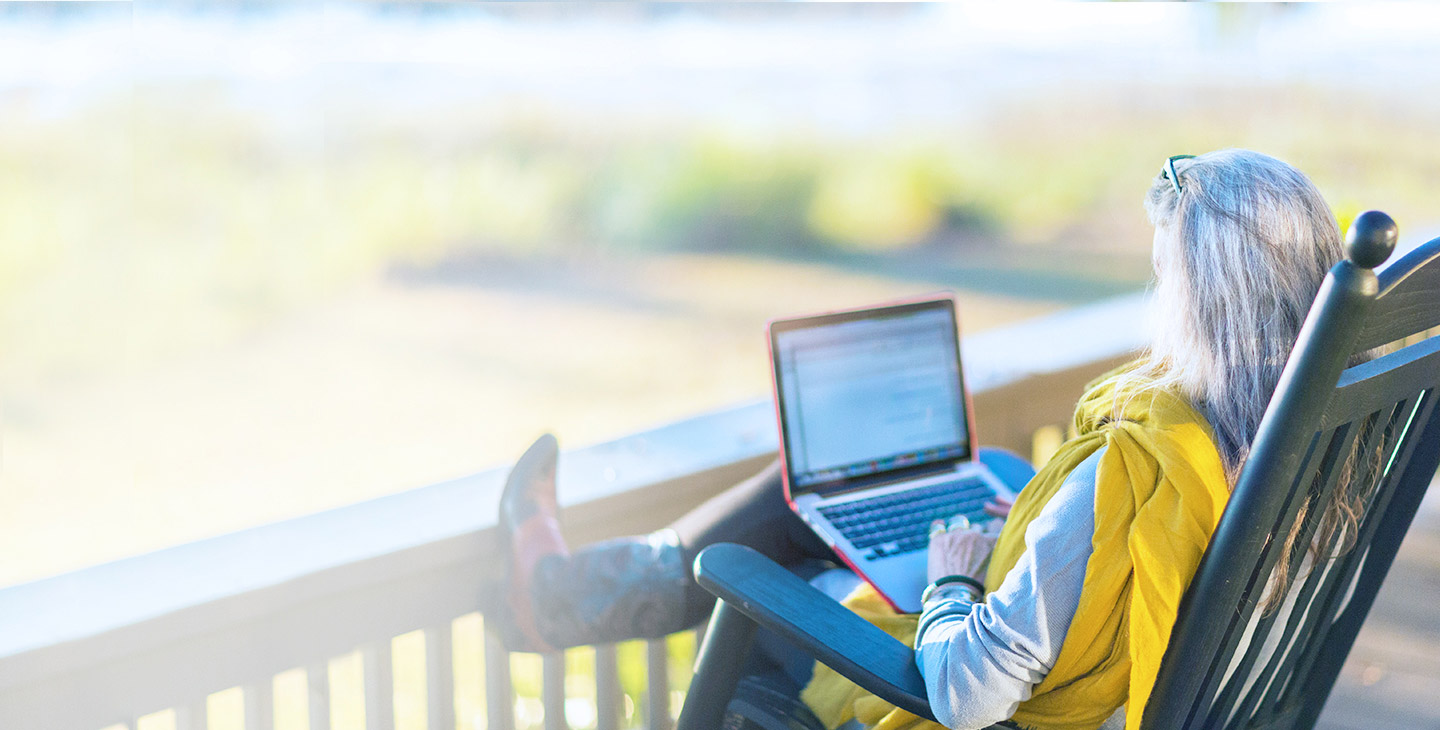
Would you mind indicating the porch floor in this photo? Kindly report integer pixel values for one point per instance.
(1392, 677)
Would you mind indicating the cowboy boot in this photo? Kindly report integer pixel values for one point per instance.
(529, 531)
(625, 588)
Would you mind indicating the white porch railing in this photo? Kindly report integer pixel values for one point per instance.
(164, 632)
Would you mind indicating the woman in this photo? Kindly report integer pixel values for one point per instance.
(1062, 620)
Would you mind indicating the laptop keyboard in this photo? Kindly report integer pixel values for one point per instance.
(900, 522)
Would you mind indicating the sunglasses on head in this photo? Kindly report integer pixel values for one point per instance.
(1169, 173)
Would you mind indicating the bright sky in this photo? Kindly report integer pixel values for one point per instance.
(679, 58)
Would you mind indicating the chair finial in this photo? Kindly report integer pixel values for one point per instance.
(1371, 239)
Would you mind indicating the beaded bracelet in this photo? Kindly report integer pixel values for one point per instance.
(977, 589)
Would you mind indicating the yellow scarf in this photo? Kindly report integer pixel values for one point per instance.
(1159, 491)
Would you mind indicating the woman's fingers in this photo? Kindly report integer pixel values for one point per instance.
(959, 552)
(936, 529)
(999, 506)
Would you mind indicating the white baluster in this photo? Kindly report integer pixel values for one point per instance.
(657, 681)
(317, 699)
(499, 700)
(192, 717)
(609, 701)
(379, 686)
(552, 690)
(439, 678)
(260, 705)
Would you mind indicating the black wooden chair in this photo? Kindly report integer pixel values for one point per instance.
(1323, 411)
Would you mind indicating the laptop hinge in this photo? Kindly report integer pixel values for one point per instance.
(883, 480)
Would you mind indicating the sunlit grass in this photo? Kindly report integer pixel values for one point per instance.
(169, 220)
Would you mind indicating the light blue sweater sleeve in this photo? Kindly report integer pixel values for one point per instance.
(981, 660)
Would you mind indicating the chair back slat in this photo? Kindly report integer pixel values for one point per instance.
(1411, 473)
(1407, 371)
(1406, 304)
(1327, 643)
(1224, 706)
(1326, 581)
(1418, 428)
(1325, 449)
(1331, 432)
(1322, 476)
(1323, 482)
(1275, 690)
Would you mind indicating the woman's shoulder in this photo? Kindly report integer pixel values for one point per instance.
(1073, 504)
(1082, 477)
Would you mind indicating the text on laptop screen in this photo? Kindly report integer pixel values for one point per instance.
(869, 395)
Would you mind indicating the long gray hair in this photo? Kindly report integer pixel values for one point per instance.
(1240, 252)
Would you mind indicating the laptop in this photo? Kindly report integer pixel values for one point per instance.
(877, 437)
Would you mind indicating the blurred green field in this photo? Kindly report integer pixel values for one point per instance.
(168, 220)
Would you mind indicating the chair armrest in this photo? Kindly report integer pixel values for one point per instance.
(777, 600)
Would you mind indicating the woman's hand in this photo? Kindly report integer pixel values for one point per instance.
(999, 506)
(961, 550)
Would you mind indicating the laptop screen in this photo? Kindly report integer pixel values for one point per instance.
(863, 395)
